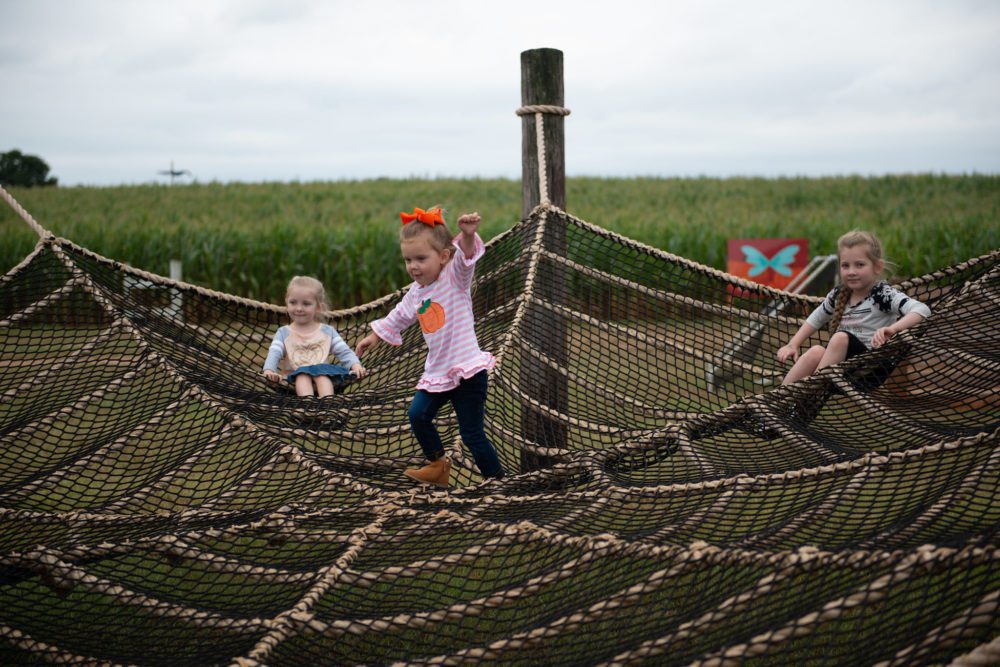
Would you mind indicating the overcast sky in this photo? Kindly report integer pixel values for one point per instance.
(111, 92)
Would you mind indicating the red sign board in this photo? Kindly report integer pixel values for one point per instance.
(771, 262)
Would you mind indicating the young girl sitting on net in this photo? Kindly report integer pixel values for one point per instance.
(306, 343)
(455, 370)
(864, 312)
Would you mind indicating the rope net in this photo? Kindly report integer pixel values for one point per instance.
(161, 503)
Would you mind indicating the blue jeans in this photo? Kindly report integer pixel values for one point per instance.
(469, 401)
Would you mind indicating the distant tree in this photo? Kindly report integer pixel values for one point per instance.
(26, 170)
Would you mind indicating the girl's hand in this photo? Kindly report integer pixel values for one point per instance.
(469, 223)
(788, 352)
(359, 370)
(881, 336)
(272, 376)
(368, 342)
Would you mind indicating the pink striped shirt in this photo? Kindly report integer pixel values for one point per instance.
(444, 310)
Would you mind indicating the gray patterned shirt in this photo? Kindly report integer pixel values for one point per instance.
(881, 308)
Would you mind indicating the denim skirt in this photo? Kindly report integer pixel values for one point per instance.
(338, 374)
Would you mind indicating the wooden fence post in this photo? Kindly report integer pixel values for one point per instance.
(542, 84)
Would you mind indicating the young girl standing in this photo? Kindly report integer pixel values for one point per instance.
(864, 312)
(307, 342)
(456, 370)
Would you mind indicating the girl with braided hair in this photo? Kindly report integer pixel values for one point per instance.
(863, 311)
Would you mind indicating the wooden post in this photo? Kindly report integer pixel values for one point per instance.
(542, 83)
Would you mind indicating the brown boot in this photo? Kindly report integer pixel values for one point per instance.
(435, 472)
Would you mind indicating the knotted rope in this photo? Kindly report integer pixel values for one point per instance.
(539, 110)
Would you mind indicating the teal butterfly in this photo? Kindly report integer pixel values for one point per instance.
(781, 262)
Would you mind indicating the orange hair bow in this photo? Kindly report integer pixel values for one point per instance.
(429, 218)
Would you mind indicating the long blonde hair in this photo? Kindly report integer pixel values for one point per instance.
(319, 293)
(853, 238)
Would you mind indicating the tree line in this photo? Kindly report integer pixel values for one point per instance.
(16, 168)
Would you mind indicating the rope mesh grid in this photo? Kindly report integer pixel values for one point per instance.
(161, 503)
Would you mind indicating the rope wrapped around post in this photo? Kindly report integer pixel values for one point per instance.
(539, 110)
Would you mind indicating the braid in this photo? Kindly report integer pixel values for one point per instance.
(840, 303)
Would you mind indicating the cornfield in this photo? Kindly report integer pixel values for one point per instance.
(249, 239)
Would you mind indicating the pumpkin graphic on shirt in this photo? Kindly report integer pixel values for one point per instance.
(431, 316)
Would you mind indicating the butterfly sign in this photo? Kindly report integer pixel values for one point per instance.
(771, 262)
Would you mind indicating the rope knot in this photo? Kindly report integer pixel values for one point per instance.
(539, 110)
(542, 108)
